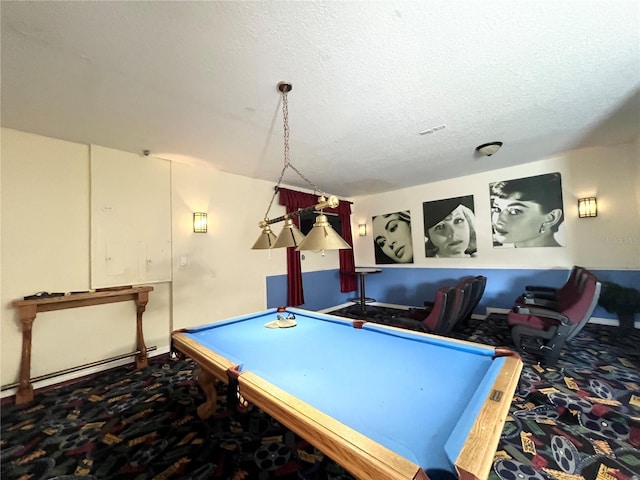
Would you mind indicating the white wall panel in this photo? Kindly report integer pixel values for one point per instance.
(130, 218)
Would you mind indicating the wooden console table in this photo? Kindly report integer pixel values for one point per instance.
(28, 309)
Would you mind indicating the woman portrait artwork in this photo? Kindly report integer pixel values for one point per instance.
(527, 212)
(450, 228)
(392, 238)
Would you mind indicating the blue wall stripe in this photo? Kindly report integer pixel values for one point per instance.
(412, 286)
(321, 290)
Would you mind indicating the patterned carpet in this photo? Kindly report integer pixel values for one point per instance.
(578, 420)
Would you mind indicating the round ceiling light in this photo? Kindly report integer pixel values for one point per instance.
(488, 149)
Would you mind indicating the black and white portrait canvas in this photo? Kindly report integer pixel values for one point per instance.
(450, 227)
(392, 240)
(527, 212)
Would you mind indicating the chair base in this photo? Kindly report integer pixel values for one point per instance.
(556, 338)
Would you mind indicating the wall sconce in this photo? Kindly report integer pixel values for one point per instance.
(587, 207)
(199, 222)
(362, 229)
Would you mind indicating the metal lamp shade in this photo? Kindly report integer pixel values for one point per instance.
(265, 240)
(323, 237)
(290, 236)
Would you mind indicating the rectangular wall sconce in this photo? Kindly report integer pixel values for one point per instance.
(199, 222)
(587, 207)
(362, 229)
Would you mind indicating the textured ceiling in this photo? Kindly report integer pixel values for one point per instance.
(196, 82)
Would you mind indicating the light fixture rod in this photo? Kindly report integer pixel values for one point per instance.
(332, 202)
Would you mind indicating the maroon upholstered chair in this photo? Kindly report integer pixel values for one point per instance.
(550, 329)
(478, 284)
(436, 319)
(549, 296)
(464, 298)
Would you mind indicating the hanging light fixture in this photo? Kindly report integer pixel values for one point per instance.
(322, 236)
(265, 240)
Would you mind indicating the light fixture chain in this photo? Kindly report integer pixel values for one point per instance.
(285, 117)
(287, 161)
(275, 192)
(315, 187)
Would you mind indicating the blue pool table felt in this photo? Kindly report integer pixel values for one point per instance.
(346, 372)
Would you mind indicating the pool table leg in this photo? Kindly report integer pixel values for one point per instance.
(208, 384)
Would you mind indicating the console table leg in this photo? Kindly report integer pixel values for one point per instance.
(142, 360)
(25, 389)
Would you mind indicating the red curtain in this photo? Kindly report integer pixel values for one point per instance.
(348, 283)
(293, 200)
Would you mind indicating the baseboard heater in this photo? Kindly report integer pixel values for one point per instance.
(78, 368)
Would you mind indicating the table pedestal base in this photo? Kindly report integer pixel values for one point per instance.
(362, 299)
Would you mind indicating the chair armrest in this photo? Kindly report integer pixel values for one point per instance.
(404, 322)
(540, 288)
(418, 313)
(541, 295)
(541, 302)
(542, 312)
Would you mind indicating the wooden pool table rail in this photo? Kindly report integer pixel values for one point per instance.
(476, 457)
(361, 456)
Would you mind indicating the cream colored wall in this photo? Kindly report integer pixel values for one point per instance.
(216, 275)
(609, 241)
(45, 247)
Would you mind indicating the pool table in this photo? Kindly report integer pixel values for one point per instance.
(382, 402)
